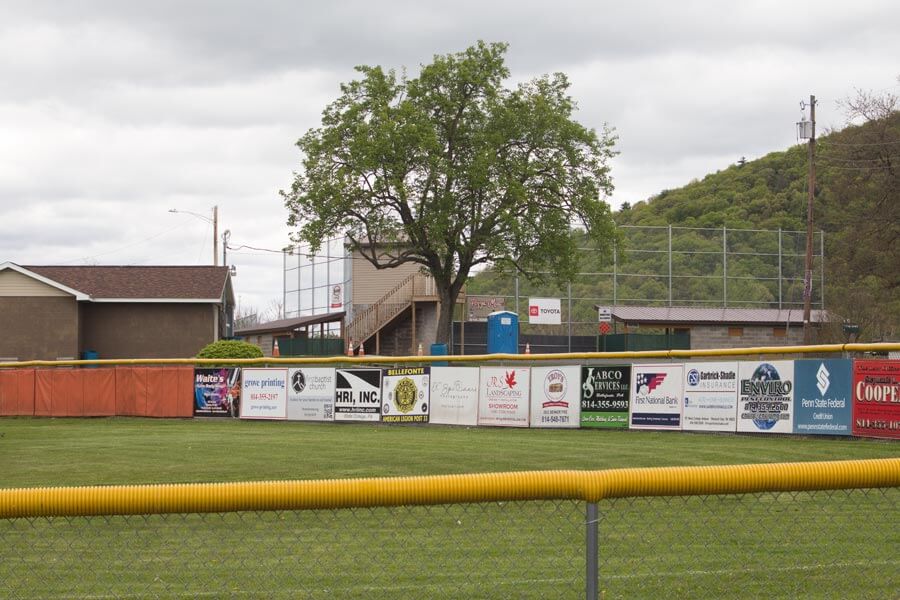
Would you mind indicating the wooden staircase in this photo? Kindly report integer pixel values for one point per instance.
(385, 310)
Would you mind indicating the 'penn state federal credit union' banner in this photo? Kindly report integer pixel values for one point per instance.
(823, 402)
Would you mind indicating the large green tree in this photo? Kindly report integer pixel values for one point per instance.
(451, 170)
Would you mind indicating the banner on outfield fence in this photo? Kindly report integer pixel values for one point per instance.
(544, 311)
(605, 396)
(217, 392)
(766, 397)
(264, 394)
(876, 398)
(656, 396)
(405, 395)
(454, 395)
(823, 396)
(310, 394)
(357, 395)
(555, 396)
(503, 396)
(710, 396)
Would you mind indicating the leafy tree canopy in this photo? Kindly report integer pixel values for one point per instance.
(451, 169)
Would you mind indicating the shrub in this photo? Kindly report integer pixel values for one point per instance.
(230, 349)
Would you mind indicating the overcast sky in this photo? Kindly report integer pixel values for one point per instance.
(112, 113)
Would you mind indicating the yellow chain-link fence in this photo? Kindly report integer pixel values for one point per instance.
(826, 530)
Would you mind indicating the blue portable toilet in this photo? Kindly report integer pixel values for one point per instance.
(503, 332)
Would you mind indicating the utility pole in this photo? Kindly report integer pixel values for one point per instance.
(807, 278)
(216, 236)
(226, 235)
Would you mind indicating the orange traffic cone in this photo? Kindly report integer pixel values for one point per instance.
(362, 349)
(275, 351)
(350, 348)
(420, 349)
(527, 348)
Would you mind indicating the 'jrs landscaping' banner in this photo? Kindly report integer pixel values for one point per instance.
(555, 396)
(766, 397)
(876, 398)
(217, 392)
(405, 395)
(605, 396)
(710, 396)
(822, 396)
(503, 399)
(656, 396)
(357, 395)
(311, 394)
(264, 394)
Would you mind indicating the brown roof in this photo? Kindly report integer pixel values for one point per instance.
(291, 324)
(682, 314)
(135, 282)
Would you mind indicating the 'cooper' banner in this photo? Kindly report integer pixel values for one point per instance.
(217, 392)
(555, 396)
(605, 396)
(822, 396)
(876, 398)
(454, 395)
(710, 396)
(405, 395)
(503, 398)
(264, 394)
(357, 395)
(656, 396)
(311, 394)
(766, 397)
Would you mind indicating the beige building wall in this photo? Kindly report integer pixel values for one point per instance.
(14, 284)
(370, 284)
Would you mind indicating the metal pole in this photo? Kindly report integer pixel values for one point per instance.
(807, 277)
(724, 267)
(822, 269)
(780, 274)
(284, 282)
(592, 553)
(328, 284)
(216, 235)
(517, 293)
(615, 272)
(670, 265)
(570, 316)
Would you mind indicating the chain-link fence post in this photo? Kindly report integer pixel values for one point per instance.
(592, 552)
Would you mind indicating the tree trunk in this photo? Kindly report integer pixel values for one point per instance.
(445, 314)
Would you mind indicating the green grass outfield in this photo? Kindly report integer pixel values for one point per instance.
(822, 544)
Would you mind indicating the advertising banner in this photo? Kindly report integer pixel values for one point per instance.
(310, 394)
(503, 397)
(217, 392)
(876, 398)
(264, 394)
(605, 396)
(822, 396)
(710, 396)
(656, 396)
(405, 395)
(357, 395)
(766, 397)
(555, 396)
(544, 311)
(479, 307)
(454, 395)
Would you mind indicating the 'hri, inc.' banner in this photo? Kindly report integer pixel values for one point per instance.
(217, 392)
(656, 396)
(876, 398)
(405, 395)
(264, 394)
(710, 396)
(555, 396)
(605, 396)
(822, 396)
(454, 395)
(766, 397)
(503, 398)
(357, 395)
(311, 394)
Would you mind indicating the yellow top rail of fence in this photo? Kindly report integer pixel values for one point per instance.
(590, 486)
(647, 354)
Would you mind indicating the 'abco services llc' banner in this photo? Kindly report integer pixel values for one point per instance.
(405, 395)
(710, 396)
(656, 396)
(217, 392)
(454, 395)
(876, 398)
(555, 396)
(605, 396)
(766, 397)
(357, 395)
(311, 394)
(503, 398)
(822, 396)
(264, 394)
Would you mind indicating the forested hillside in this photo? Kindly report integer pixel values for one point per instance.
(857, 205)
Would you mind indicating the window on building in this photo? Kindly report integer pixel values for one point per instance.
(735, 331)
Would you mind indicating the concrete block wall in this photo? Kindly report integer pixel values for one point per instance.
(705, 337)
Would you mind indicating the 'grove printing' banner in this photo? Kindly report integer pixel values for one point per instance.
(876, 398)
(357, 395)
(454, 395)
(605, 396)
(766, 397)
(311, 394)
(822, 396)
(555, 396)
(264, 394)
(710, 396)
(503, 397)
(405, 395)
(656, 396)
(217, 392)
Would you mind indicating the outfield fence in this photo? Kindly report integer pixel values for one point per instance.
(825, 529)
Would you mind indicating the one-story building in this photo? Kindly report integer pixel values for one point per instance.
(62, 312)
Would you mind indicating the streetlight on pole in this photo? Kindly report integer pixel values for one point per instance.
(808, 131)
(215, 224)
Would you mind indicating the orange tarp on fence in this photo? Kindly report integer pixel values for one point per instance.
(99, 392)
(17, 392)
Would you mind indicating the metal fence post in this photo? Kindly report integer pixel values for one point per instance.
(592, 551)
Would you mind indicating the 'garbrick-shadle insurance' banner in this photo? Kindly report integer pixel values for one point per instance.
(357, 395)
(822, 396)
(311, 394)
(405, 395)
(710, 396)
(555, 396)
(766, 397)
(605, 396)
(876, 398)
(656, 396)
